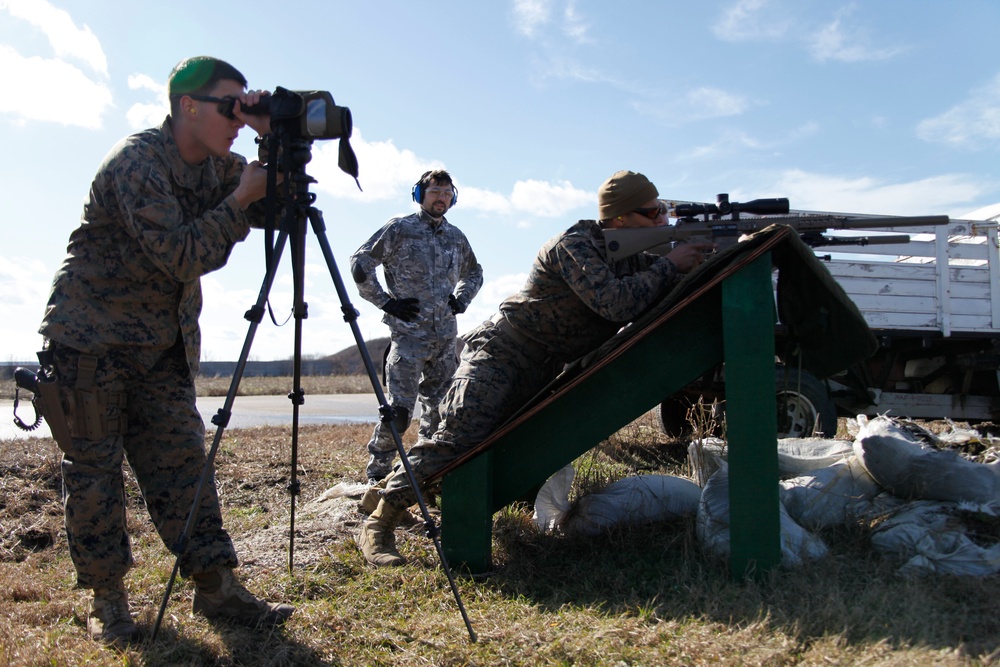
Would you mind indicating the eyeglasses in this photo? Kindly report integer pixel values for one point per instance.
(444, 193)
(653, 212)
(226, 104)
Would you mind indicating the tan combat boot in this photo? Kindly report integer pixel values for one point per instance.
(377, 539)
(109, 619)
(219, 595)
(369, 502)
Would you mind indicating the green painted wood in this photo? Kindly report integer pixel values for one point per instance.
(580, 416)
(467, 501)
(751, 422)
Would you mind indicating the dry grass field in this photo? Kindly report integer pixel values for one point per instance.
(638, 596)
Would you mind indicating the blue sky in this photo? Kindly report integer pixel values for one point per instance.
(889, 107)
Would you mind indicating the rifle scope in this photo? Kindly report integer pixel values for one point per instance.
(774, 206)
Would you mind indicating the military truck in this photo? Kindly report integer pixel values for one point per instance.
(934, 305)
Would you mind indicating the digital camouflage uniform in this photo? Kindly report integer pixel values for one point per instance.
(428, 260)
(573, 301)
(128, 296)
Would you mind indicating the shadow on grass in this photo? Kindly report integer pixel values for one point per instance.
(658, 572)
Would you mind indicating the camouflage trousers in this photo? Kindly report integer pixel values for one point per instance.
(416, 368)
(496, 376)
(164, 443)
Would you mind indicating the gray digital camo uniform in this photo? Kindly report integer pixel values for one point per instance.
(428, 260)
(572, 302)
(128, 293)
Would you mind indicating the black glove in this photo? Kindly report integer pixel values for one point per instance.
(404, 309)
(456, 305)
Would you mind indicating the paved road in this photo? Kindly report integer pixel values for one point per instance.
(247, 411)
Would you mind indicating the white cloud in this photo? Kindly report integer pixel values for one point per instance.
(697, 104)
(530, 15)
(532, 18)
(385, 171)
(486, 302)
(483, 200)
(714, 102)
(766, 21)
(575, 25)
(531, 197)
(974, 123)
(751, 20)
(934, 195)
(835, 41)
(66, 39)
(24, 283)
(147, 114)
(548, 200)
(37, 88)
(41, 89)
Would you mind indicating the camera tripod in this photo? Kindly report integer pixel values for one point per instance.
(297, 212)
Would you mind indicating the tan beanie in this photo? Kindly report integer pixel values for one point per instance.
(625, 191)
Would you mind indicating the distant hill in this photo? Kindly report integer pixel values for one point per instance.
(348, 361)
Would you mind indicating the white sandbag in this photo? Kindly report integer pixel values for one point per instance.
(796, 456)
(932, 537)
(800, 456)
(633, 500)
(712, 527)
(704, 458)
(912, 469)
(552, 502)
(831, 496)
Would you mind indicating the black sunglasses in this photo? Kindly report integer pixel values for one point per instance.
(226, 104)
(653, 212)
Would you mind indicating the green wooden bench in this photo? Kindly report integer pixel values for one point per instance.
(725, 313)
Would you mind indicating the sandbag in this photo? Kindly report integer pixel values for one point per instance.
(552, 502)
(712, 526)
(834, 496)
(913, 469)
(932, 537)
(800, 456)
(631, 500)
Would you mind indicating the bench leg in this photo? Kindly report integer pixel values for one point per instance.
(751, 421)
(467, 515)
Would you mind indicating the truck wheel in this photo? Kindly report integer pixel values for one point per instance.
(804, 405)
(798, 404)
(672, 416)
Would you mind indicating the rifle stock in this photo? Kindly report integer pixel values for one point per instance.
(625, 242)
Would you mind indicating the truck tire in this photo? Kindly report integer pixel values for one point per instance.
(805, 407)
(802, 404)
(671, 415)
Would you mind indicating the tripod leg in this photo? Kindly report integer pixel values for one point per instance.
(300, 312)
(221, 420)
(385, 410)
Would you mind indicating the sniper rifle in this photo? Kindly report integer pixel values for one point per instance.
(722, 224)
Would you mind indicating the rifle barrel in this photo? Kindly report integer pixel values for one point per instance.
(625, 242)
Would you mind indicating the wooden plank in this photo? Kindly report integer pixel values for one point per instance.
(467, 501)
(751, 421)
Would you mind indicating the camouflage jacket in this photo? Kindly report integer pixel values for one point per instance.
(575, 299)
(152, 225)
(424, 259)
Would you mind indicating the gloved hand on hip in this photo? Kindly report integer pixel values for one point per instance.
(404, 309)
